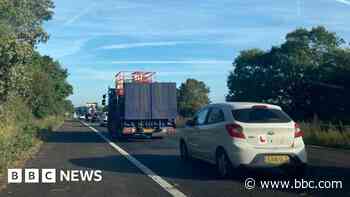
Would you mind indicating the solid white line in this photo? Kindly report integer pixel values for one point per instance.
(163, 183)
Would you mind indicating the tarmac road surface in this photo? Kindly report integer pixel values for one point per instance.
(76, 147)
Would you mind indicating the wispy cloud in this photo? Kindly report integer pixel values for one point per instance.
(174, 62)
(94, 74)
(343, 1)
(108, 75)
(146, 44)
(187, 73)
(65, 47)
(80, 14)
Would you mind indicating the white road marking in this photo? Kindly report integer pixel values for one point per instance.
(163, 183)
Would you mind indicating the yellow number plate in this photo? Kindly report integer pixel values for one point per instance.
(276, 159)
(146, 130)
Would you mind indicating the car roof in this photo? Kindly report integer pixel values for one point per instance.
(243, 105)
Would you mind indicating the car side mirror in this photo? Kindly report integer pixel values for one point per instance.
(190, 123)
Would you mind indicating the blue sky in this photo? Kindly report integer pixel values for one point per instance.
(177, 39)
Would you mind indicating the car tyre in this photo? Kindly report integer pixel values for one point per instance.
(223, 164)
(184, 151)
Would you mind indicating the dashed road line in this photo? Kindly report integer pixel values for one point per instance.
(163, 183)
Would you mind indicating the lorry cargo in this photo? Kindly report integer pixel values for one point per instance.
(137, 106)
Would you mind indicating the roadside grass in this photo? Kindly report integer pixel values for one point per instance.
(19, 133)
(329, 135)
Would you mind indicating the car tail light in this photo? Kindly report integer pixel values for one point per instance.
(235, 131)
(297, 131)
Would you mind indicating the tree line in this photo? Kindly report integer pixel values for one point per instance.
(38, 81)
(308, 75)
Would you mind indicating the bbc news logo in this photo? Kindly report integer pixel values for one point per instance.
(33, 175)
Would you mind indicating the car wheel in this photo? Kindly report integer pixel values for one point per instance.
(183, 151)
(223, 164)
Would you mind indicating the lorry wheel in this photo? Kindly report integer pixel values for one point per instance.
(112, 131)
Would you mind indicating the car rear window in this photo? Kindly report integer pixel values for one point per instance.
(261, 116)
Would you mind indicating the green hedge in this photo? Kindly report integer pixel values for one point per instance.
(18, 132)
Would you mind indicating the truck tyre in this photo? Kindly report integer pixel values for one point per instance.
(112, 131)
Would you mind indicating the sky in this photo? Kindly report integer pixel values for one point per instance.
(176, 39)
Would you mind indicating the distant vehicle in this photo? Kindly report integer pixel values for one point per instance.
(102, 118)
(82, 117)
(238, 134)
(91, 115)
(137, 106)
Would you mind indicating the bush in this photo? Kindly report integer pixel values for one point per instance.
(18, 132)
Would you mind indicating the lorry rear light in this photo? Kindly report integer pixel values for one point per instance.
(128, 130)
(235, 131)
(171, 130)
(297, 131)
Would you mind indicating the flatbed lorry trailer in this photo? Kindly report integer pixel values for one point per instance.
(141, 108)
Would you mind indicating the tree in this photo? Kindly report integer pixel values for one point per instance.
(49, 87)
(20, 30)
(308, 74)
(191, 96)
(37, 80)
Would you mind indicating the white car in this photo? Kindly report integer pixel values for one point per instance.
(236, 134)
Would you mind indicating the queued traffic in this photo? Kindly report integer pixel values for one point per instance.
(229, 135)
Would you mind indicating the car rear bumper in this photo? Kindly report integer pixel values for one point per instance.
(259, 161)
(151, 132)
(256, 157)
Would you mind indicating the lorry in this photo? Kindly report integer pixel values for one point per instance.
(139, 106)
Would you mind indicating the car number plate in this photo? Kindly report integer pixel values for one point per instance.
(276, 159)
(147, 130)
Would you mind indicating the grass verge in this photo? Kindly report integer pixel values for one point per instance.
(326, 135)
(19, 134)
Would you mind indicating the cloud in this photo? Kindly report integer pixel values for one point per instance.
(343, 1)
(108, 75)
(187, 73)
(79, 15)
(145, 44)
(174, 43)
(65, 48)
(174, 62)
(94, 74)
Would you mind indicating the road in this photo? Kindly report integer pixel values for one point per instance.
(75, 146)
